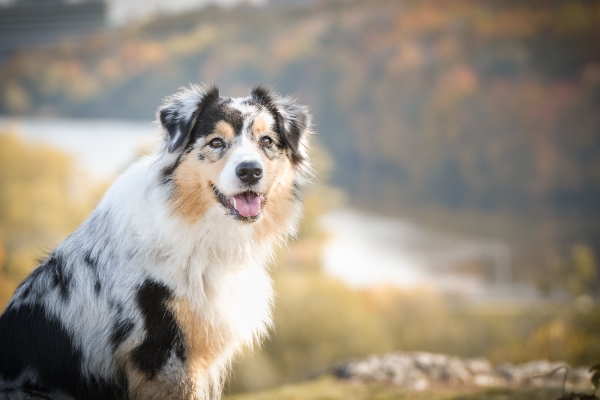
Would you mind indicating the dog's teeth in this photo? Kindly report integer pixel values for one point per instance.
(234, 203)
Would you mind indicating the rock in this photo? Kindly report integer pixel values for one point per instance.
(420, 371)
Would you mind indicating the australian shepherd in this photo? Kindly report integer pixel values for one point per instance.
(155, 293)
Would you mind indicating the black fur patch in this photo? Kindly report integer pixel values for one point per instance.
(297, 191)
(28, 337)
(167, 172)
(212, 115)
(163, 335)
(26, 291)
(32, 340)
(120, 333)
(92, 264)
(292, 136)
(97, 287)
(60, 278)
(90, 261)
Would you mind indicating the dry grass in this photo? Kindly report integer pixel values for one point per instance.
(331, 389)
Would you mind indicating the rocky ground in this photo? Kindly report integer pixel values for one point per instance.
(426, 371)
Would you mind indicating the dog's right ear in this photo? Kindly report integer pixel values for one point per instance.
(179, 113)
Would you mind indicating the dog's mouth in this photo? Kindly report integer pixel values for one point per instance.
(244, 206)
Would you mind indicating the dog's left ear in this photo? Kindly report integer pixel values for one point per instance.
(292, 119)
(180, 112)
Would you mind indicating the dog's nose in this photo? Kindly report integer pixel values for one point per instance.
(249, 172)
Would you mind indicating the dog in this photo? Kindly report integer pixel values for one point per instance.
(166, 281)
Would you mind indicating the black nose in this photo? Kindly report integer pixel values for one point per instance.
(249, 172)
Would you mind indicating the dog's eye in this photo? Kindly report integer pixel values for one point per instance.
(217, 142)
(266, 141)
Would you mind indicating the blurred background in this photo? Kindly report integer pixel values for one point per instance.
(455, 207)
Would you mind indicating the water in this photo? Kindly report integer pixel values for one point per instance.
(103, 147)
(366, 250)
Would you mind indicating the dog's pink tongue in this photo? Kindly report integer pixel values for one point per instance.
(248, 204)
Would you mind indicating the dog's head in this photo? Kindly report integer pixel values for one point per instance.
(245, 155)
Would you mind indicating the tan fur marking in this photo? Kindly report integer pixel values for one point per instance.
(194, 196)
(260, 125)
(280, 201)
(224, 129)
(204, 342)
